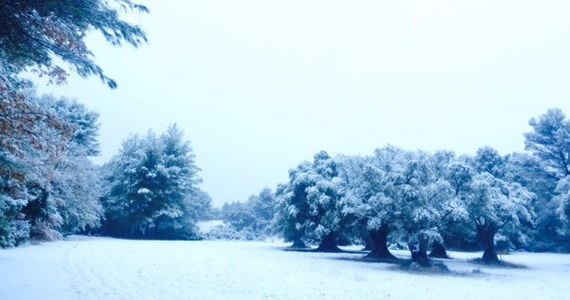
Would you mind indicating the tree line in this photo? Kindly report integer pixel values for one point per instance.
(49, 187)
(426, 202)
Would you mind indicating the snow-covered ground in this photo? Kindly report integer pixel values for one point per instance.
(104, 268)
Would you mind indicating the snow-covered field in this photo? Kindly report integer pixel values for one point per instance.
(104, 268)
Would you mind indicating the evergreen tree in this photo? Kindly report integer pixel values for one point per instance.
(550, 142)
(528, 171)
(200, 205)
(39, 35)
(152, 188)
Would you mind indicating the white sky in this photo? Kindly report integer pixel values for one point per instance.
(261, 85)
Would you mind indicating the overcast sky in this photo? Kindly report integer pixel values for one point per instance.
(261, 85)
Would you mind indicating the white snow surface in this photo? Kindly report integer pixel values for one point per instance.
(105, 268)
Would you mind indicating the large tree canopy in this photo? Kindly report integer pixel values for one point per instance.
(38, 35)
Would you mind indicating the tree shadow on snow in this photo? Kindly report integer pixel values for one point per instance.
(367, 259)
(438, 267)
(404, 264)
(316, 250)
(498, 264)
(435, 267)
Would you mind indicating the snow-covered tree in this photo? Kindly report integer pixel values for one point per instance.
(263, 206)
(152, 188)
(84, 124)
(311, 204)
(563, 201)
(496, 206)
(24, 145)
(529, 171)
(200, 205)
(550, 141)
(489, 160)
(76, 184)
(77, 189)
(326, 200)
(402, 193)
(48, 185)
(251, 219)
(374, 200)
(451, 226)
(46, 36)
(255, 214)
(240, 217)
(354, 189)
(292, 210)
(426, 201)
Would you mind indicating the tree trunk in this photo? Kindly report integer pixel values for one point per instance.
(419, 255)
(367, 244)
(486, 233)
(328, 244)
(490, 253)
(365, 236)
(299, 244)
(379, 244)
(438, 250)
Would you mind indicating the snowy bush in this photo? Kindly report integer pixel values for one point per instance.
(251, 219)
(224, 232)
(15, 233)
(43, 232)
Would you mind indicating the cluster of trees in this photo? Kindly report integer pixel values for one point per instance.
(48, 185)
(248, 220)
(419, 199)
